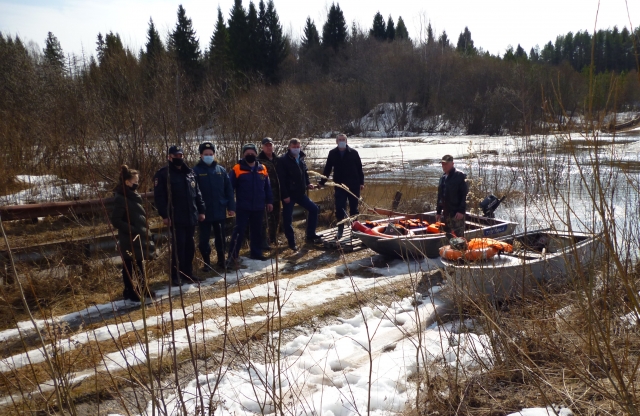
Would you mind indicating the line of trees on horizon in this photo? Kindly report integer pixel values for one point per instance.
(252, 81)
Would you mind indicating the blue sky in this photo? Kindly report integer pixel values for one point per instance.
(494, 24)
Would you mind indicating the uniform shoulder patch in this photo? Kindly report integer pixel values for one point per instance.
(155, 181)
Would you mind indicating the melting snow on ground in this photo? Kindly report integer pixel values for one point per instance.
(48, 188)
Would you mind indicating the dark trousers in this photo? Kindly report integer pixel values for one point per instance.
(273, 221)
(204, 235)
(342, 197)
(252, 219)
(454, 226)
(287, 217)
(133, 278)
(183, 248)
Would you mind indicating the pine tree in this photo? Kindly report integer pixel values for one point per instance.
(310, 37)
(53, 54)
(430, 37)
(379, 29)
(185, 46)
(274, 46)
(239, 46)
(334, 31)
(391, 30)
(401, 30)
(219, 46)
(154, 46)
(465, 43)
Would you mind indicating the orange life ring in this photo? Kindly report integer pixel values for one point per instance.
(484, 253)
(499, 246)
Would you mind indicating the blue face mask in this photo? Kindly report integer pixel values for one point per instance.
(342, 145)
(295, 151)
(208, 159)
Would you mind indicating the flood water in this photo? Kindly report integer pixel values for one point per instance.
(549, 180)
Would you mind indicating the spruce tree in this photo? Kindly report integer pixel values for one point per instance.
(219, 46)
(465, 43)
(154, 46)
(534, 54)
(254, 57)
(334, 31)
(520, 54)
(401, 30)
(310, 37)
(443, 40)
(274, 46)
(239, 46)
(391, 30)
(379, 29)
(548, 53)
(53, 54)
(430, 37)
(185, 46)
(508, 55)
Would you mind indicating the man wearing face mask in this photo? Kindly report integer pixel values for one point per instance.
(294, 182)
(347, 170)
(250, 179)
(179, 203)
(217, 193)
(268, 158)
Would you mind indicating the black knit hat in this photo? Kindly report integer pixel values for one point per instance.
(249, 146)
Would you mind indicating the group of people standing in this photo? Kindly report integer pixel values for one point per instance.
(203, 196)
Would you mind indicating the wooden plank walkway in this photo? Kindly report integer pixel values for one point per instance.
(348, 243)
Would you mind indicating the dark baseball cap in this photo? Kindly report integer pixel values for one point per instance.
(206, 145)
(446, 158)
(175, 150)
(267, 140)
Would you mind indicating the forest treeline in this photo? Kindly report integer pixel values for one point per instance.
(84, 115)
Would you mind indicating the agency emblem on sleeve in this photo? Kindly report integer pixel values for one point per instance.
(155, 182)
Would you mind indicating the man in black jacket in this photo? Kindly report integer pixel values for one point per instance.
(452, 197)
(179, 203)
(347, 170)
(269, 159)
(294, 182)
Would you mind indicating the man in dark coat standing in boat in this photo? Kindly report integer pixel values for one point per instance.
(452, 197)
(180, 204)
(347, 170)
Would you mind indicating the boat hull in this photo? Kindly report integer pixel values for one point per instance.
(428, 245)
(517, 274)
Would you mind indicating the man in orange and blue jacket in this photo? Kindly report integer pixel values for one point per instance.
(250, 180)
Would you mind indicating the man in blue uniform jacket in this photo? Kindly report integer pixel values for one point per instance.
(217, 192)
(250, 179)
(179, 203)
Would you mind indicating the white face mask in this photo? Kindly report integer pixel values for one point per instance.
(342, 145)
(295, 151)
(208, 159)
